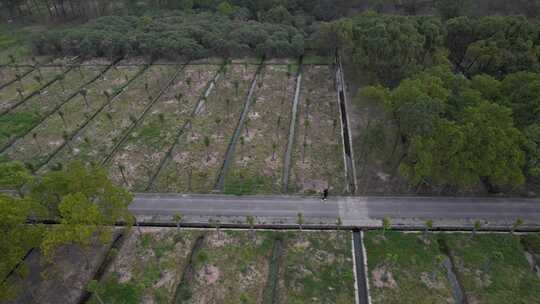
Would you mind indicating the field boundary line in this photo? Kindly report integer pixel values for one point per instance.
(55, 109)
(35, 92)
(133, 125)
(115, 95)
(180, 132)
(220, 182)
(292, 131)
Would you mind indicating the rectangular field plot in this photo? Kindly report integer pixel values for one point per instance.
(97, 140)
(230, 267)
(21, 119)
(36, 147)
(148, 267)
(316, 267)
(493, 269)
(135, 163)
(317, 159)
(406, 268)
(257, 165)
(196, 160)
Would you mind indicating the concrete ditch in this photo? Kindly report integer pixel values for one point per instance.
(220, 182)
(292, 131)
(143, 115)
(196, 110)
(348, 152)
(55, 109)
(96, 113)
(360, 266)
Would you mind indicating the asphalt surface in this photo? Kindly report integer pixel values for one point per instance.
(353, 211)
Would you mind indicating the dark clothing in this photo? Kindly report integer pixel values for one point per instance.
(325, 194)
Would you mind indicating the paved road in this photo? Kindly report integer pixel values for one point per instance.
(357, 211)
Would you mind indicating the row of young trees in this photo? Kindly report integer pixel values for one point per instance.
(177, 35)
(81, 199)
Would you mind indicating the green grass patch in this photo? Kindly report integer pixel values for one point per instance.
(113, 292)
(317, 266)
(406, 268)
(244, 185)
(533, 242)
(493, 268)
(13, 124)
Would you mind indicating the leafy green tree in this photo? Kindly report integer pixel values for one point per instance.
(453, 8)
(225, 8)
(14, 175)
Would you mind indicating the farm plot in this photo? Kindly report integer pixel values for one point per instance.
(8, 73)
(148, 267)
(316, 267)
(106, 129)
(493, 269)
(406, 268)
(25, 86)
(138, 159)
(257, 165)
(198, 157)
(21, 119)
(53, 132)
(317, 159)
(231, 267)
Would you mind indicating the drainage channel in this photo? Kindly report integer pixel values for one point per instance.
(196, 110)
(183, 285)
(360, 268)
(108, 260)
(270, 295)
(220, 182)
(455, 282)
(348, 153)
(123, 139)
(87, 121)
(60, 105)
(292, 131)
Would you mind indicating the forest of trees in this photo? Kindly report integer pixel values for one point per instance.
(460, 97)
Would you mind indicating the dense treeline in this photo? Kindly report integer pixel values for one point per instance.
(81, 199)
(179, 35)
(302, 10)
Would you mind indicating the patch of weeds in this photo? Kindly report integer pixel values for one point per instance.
(183, 294)
(145, 241)
(12, 124)
(245, 299)
(533, 242)
(244, 185)
(162, 248)
(151, 274)
(111, 291)
(202, 257)
(161, 295)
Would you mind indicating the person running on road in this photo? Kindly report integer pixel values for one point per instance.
(325, 194)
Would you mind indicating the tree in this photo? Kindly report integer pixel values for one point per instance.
(477, 225)
(386, 225)
(453, 8)
(178, 219)
(225, 8)
(207, 145)
(428, 227)
(14, 175)
(300, 220)
(518, 223)
(84, 94)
